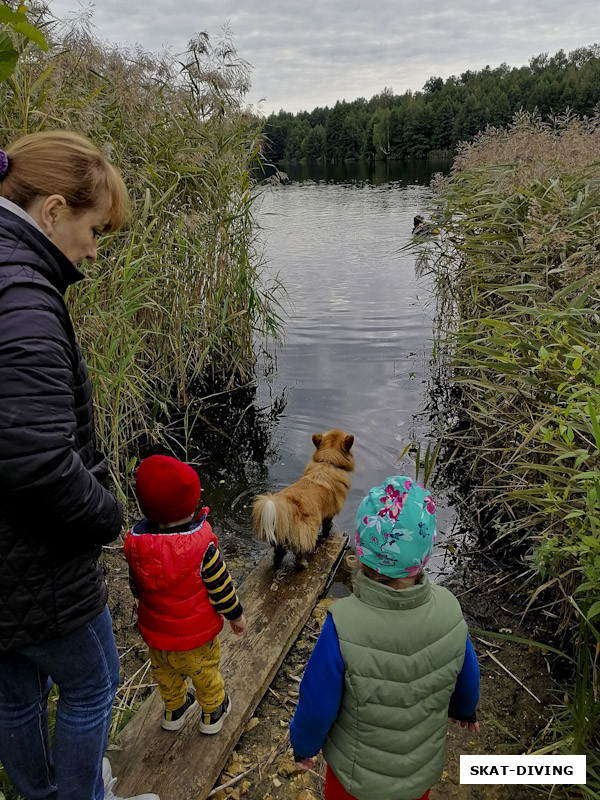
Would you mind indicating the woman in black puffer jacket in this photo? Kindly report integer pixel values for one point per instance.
(57, 195)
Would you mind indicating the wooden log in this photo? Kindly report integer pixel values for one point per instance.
(184, 765)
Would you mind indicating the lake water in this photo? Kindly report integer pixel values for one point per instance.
(358, 339)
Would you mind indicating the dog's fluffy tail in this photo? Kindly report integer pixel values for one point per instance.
(270, 514)
(266, 522)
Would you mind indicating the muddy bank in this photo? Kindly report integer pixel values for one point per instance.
(518, 685)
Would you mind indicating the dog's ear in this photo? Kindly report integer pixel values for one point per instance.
(317, 438)
(348, 442)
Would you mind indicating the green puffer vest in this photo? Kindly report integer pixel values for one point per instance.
(402, 651)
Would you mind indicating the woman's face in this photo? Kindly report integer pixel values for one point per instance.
(77, 234)
(74, 233)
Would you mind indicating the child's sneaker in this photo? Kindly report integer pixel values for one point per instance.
(173, 720)
(212, 721)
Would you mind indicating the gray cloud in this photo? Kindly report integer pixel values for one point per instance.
(314, 53)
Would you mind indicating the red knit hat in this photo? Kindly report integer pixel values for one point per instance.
(168, 489)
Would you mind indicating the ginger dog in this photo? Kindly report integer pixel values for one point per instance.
(290, 519)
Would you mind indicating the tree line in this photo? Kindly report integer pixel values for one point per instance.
(445, 112)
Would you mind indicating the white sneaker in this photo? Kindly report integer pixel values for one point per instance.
(109, 782)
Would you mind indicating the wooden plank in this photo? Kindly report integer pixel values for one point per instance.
(185, 765)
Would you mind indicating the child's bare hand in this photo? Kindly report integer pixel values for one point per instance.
(306, 764)
(472, 727)
(238, 626)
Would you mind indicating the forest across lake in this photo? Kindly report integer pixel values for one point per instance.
(446, 111)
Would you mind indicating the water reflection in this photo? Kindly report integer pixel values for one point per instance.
(358, 342)
(360, 172)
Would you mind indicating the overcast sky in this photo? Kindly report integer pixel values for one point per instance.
(306, 53)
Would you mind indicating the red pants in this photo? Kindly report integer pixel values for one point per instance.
(335, 791)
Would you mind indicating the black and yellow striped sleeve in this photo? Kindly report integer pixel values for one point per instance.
(221, 591)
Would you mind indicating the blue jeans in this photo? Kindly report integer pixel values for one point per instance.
(85, 666)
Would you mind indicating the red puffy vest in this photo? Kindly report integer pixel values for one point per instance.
(174, 612)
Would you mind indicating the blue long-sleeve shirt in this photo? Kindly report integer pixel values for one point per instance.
(323, 683)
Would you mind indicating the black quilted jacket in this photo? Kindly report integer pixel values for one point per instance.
(55, 512)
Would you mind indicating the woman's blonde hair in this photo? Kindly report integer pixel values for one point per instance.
(65, 163)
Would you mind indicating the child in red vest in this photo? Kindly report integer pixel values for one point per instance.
(184, 591)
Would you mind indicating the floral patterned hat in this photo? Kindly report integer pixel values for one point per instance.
(396, 528)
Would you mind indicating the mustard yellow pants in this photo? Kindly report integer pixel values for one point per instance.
(171, 668)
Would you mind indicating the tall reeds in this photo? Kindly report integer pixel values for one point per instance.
(176, 304)
(518, 277)
(177, 300)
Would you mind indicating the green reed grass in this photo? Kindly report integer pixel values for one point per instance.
(177, 301)
(518, 280)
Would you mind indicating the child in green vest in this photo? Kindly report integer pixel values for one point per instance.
(393, 661)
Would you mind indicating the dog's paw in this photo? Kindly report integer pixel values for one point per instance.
(278, 556)
(301, 562)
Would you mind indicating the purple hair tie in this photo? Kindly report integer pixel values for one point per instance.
(3, 164)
